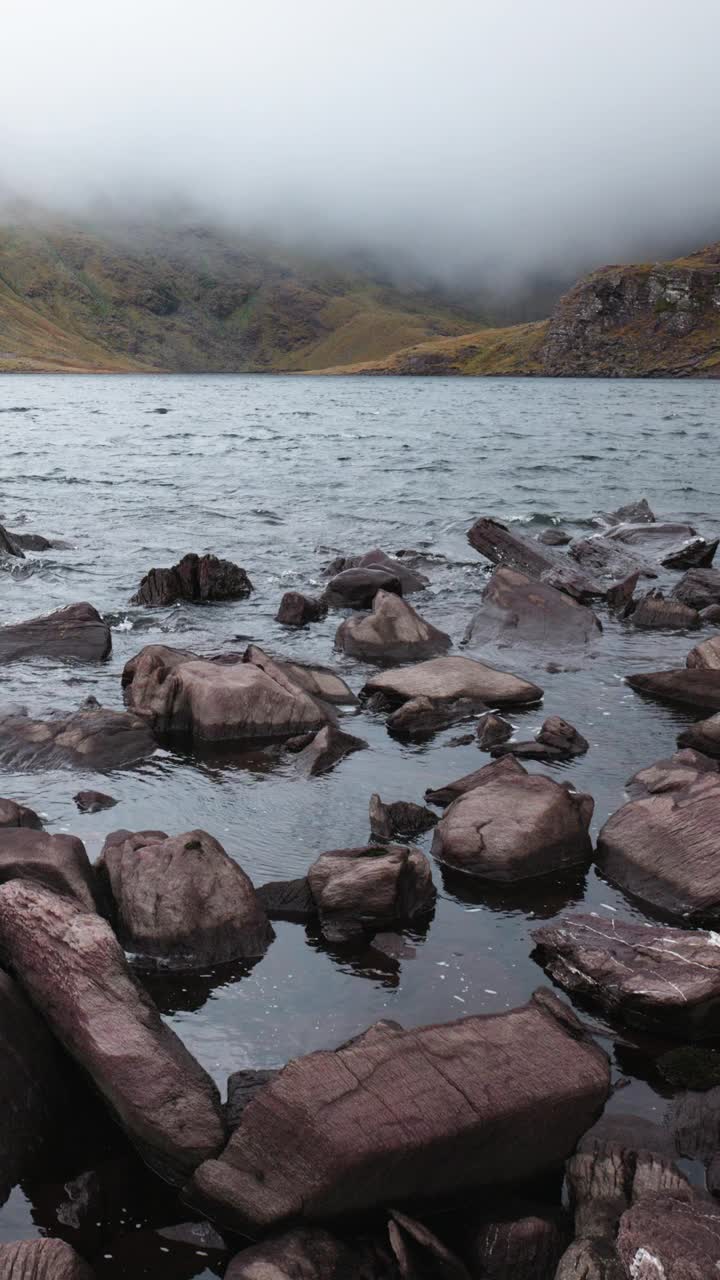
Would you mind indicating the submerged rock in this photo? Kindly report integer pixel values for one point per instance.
(501, 545)
(699, 588)
(393, 632)
(297, 610)
(554, 538)
(18, 815)
(399, 818)
(654, 611)
(694, 687)
(706, 655)
(703, 736)
(654, 537)
(619, 596)
(9, 545)
(182, 902)
(93, 801)
(516, 609)
(659, 977)
(36, 542)
(287, 900)
(59, 862)
(446, 679)
(492, 729)
(198, 579)
(514, 826)
(511, 1094)
(557, 739)
(42, 1260)
(373, 886)
(421, 717)
(163, 1099)
(76, 632)
(410, 579)
(91, 738)
(326, 749)
(357, 588)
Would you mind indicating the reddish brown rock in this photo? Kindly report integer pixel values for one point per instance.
(372, 886)
(557, 739)
(42, 1260)
(654, 612)
(663, 1237)
(519, 1247)
(8, 544)
(515, 826)
(706, 655)
(418, 1251)
(619, 596)
(357, 588)
(422, 717)
(679, 770)
(18, 815)
(492, 729)
(326, 749)
(696, 553)
(444, 795)
(287, 900)
(554, 538)
(198, 579)
(517, 609)
(182, 902)
(703, 736)
(605, 560)
(73, 970)
(393, 632)
(77, 632)
(57, 861)
(699, 588)
(639, 512)
(297, 610)
(320, 682)
(91, 738)
(93, 801)
(693, 687)
(446, 679)
(410, 579)
(401, 817)
(653, 537)
(510, 1095)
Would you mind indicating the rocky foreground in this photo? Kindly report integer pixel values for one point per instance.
(385, 1158)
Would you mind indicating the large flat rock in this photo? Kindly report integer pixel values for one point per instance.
(517, 609)
(401, 1115)
(76, 632)
(446, 679)
(693, 687)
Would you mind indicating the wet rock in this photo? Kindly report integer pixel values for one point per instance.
(57, 861)
(446, 679)
(694, 687)
(501, 545)
(699, 588)
(511, 1093)
(620, 595)
(42, 1260)
(373, 886)
(320, 682)
(36, 542)
(711, 615)
(604, 559)
(517, 609)
(638, 512)
(401, 818)
(421, 717)
(654, 611)
(556, 740)
(678, 771)
(664, 1236)
(326, 749)
(182, 902)
(161, 1096)
(450, 791)
(18, 815)
(657, 977)
(703, 736)
(462, 740)
(515, 826)
(554, 538)
(527, 1246)
(357, 588)
(705, 655)
(233, 698)
(93, 801)
(296, 745)
(91, 738)
(410, 579)
(656, 537)
(241, 1089)
(662, 849)
(695, 553)
(76, 632)
(296, 610)
(393, 632)
(9, 546)
(418, 1252)
(312, 1254)
(287, 900)
(198, 579)
(492, 729)
(567, 577)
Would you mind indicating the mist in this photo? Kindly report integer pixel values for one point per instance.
(474, 138)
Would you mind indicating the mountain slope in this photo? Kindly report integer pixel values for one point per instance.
(191, 299)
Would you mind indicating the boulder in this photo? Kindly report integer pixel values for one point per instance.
(694, 687)
(57, 861)
(372, 886)
(42, 1260)
(657, 538)
(517, 609)
(287, 900)
(73, 970)
(695, 553)
(446, 679)
(567, 577)
(410, 579)
(91, 738)
(421, 717)
(357, 588)
(182, 902)
(699, 588)
(36, 542)
(400, 818)
(501, 545)
(703, 736)
(619, 596)
(76, 632)
(639, 512)
(705, 655)
(679, 770)
(662, 849)
(320, 682)
(711, 615)
(393, 632)
(608, 560)
(296, 610)
(515, 826)
(492, 729)
(198, 579)
(663, 1237)
(18, 815)
(554, 538)
(654, 612)
(311, 1253)
(557, 739)
(649, 977)
(400, 1115)
(444, 795)
(93, 801)
(9, 545)
(525, 1245)
(326, 749)
(228, 699)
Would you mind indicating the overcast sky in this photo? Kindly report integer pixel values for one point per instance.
(515, 133)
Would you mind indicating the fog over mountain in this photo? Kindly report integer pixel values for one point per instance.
(477, 138)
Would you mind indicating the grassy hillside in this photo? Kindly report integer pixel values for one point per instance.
(192, 299)
(511, 351)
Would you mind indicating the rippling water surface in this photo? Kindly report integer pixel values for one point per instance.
(280, 474)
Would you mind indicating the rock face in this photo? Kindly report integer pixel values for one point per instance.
(357, 588)
(77, 632)
(18, 815)
(326, 749)
(372, 886)
(654, 612)
(557, 739)
(446, 679)
(199, 579)
(516, 609)
(57, 861)
(662, 849)
(665, 1236)
(311, 1253)
(699, 588)
(74, 972)
(393, 632)
(233, 698)
(694, 687)
(296, 610)
(42, 1260)
(399, 818)
(706, 655)
(667, 979)
(703, 736)
(696, 552)
(91, 738)
(511, 1093)
(409, 578)
(514, 826)
(182, 902)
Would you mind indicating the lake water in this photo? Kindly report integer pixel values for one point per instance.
(280, 474)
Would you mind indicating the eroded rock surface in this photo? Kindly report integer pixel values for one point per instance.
(699, 588)
(654, 611)
(706, 655)
(357, 588)
(693, 687)
(704, 736)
